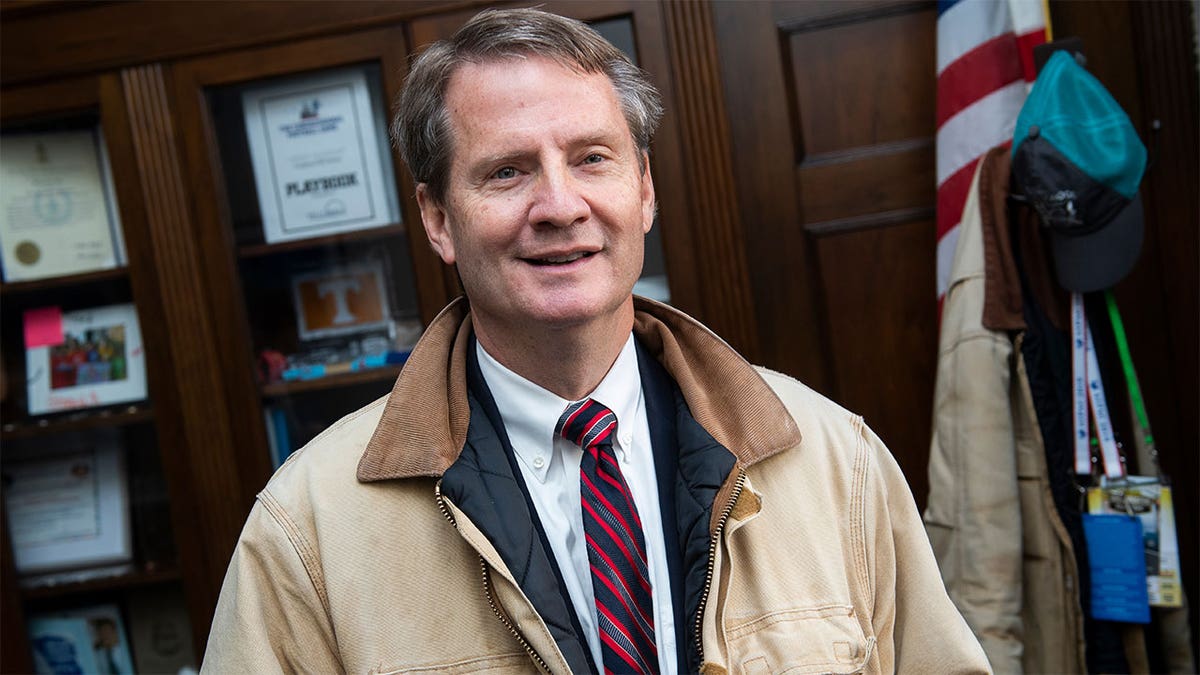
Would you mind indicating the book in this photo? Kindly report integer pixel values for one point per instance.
(85, 358)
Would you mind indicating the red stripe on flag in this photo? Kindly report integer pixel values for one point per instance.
(976, 74)
(1025, 45)
(952, 197)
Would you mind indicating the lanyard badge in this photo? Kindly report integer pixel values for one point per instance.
(1088, 393)
(1130, 525)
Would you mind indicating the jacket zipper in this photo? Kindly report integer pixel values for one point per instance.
(739, 482)
(489, 590)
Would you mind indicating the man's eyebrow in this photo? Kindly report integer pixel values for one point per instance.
(500, 159)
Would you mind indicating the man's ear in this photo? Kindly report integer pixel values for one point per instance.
(437, 225)
(649, 205)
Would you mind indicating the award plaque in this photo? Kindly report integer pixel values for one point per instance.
(318, 147)
(58, 215)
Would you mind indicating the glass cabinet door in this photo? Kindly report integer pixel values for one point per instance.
(86, 502)
(330, 287)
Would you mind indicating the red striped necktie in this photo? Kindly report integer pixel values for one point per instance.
(615, 545)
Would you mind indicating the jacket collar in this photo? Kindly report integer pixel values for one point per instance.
(424, 422)
(1003, 307)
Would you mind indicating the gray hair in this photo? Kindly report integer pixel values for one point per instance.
(421, 124)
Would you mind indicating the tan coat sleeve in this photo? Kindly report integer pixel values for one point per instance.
(272, 615)
(927, 634)
(973, 515)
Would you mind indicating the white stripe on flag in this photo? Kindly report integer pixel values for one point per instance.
(967, 25)
(1027, 16)
(978, 128)
(945, 259)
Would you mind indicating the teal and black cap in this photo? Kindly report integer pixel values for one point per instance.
(1078, 161)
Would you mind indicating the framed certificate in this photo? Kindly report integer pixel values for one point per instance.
(69, 507)
(320, 158)
(58, 214)
(82, 359)
(341, 300)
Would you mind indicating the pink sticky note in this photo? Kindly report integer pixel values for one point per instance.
(43, 327)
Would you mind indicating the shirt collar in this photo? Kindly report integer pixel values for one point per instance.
(531, 412)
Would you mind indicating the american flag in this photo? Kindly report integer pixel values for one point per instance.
(984, 70)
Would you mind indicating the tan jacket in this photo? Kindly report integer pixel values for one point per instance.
(352, 560)
(1004, 553)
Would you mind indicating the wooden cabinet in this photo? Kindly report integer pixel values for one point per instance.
(142, 435)
(790, 260)
(237, 375)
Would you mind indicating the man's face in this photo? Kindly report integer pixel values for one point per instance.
(546, 208)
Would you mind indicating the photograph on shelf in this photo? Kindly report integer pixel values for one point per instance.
(160, 631)
(341, 300)
(82, 640)
(83, 358)
(61, 646)
(68, 505)
(59, 212)
(318, 145)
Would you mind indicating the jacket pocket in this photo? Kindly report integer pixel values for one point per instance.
(810, 640)
(493, 665)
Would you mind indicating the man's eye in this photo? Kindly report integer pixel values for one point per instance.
(505, 173)
(593, 159)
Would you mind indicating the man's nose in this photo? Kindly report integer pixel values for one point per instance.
(558, 199)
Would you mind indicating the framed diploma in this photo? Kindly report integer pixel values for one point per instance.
(58, 214)
(69, 507)
(318, 146)
(341, 300)
(82, 359)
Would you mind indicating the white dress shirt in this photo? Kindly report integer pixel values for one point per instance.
(550, 467)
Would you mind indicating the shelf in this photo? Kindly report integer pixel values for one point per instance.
(77, 421)
(144, 577)
(280, 389)
(59, 282)
(259, 250)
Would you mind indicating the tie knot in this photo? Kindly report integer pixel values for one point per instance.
(586, 424)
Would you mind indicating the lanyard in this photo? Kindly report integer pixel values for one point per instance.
(1131, 380)
(1088, 391)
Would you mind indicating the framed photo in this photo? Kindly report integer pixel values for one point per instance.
(82, 359)
(61, 646)
(102, 641)
(343, 300)
(69, 508)
(58, 211)
(320, 156)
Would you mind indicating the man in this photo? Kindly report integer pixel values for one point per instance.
(566, 478)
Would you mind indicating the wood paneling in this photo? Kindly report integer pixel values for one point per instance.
(714, 221)
(208, 476)
(87, 37)
(877, 286)
(847, 96)
(831, 109)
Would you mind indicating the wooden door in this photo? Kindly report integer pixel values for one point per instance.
(831, 115)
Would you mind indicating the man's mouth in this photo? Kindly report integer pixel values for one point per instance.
(559, 259)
